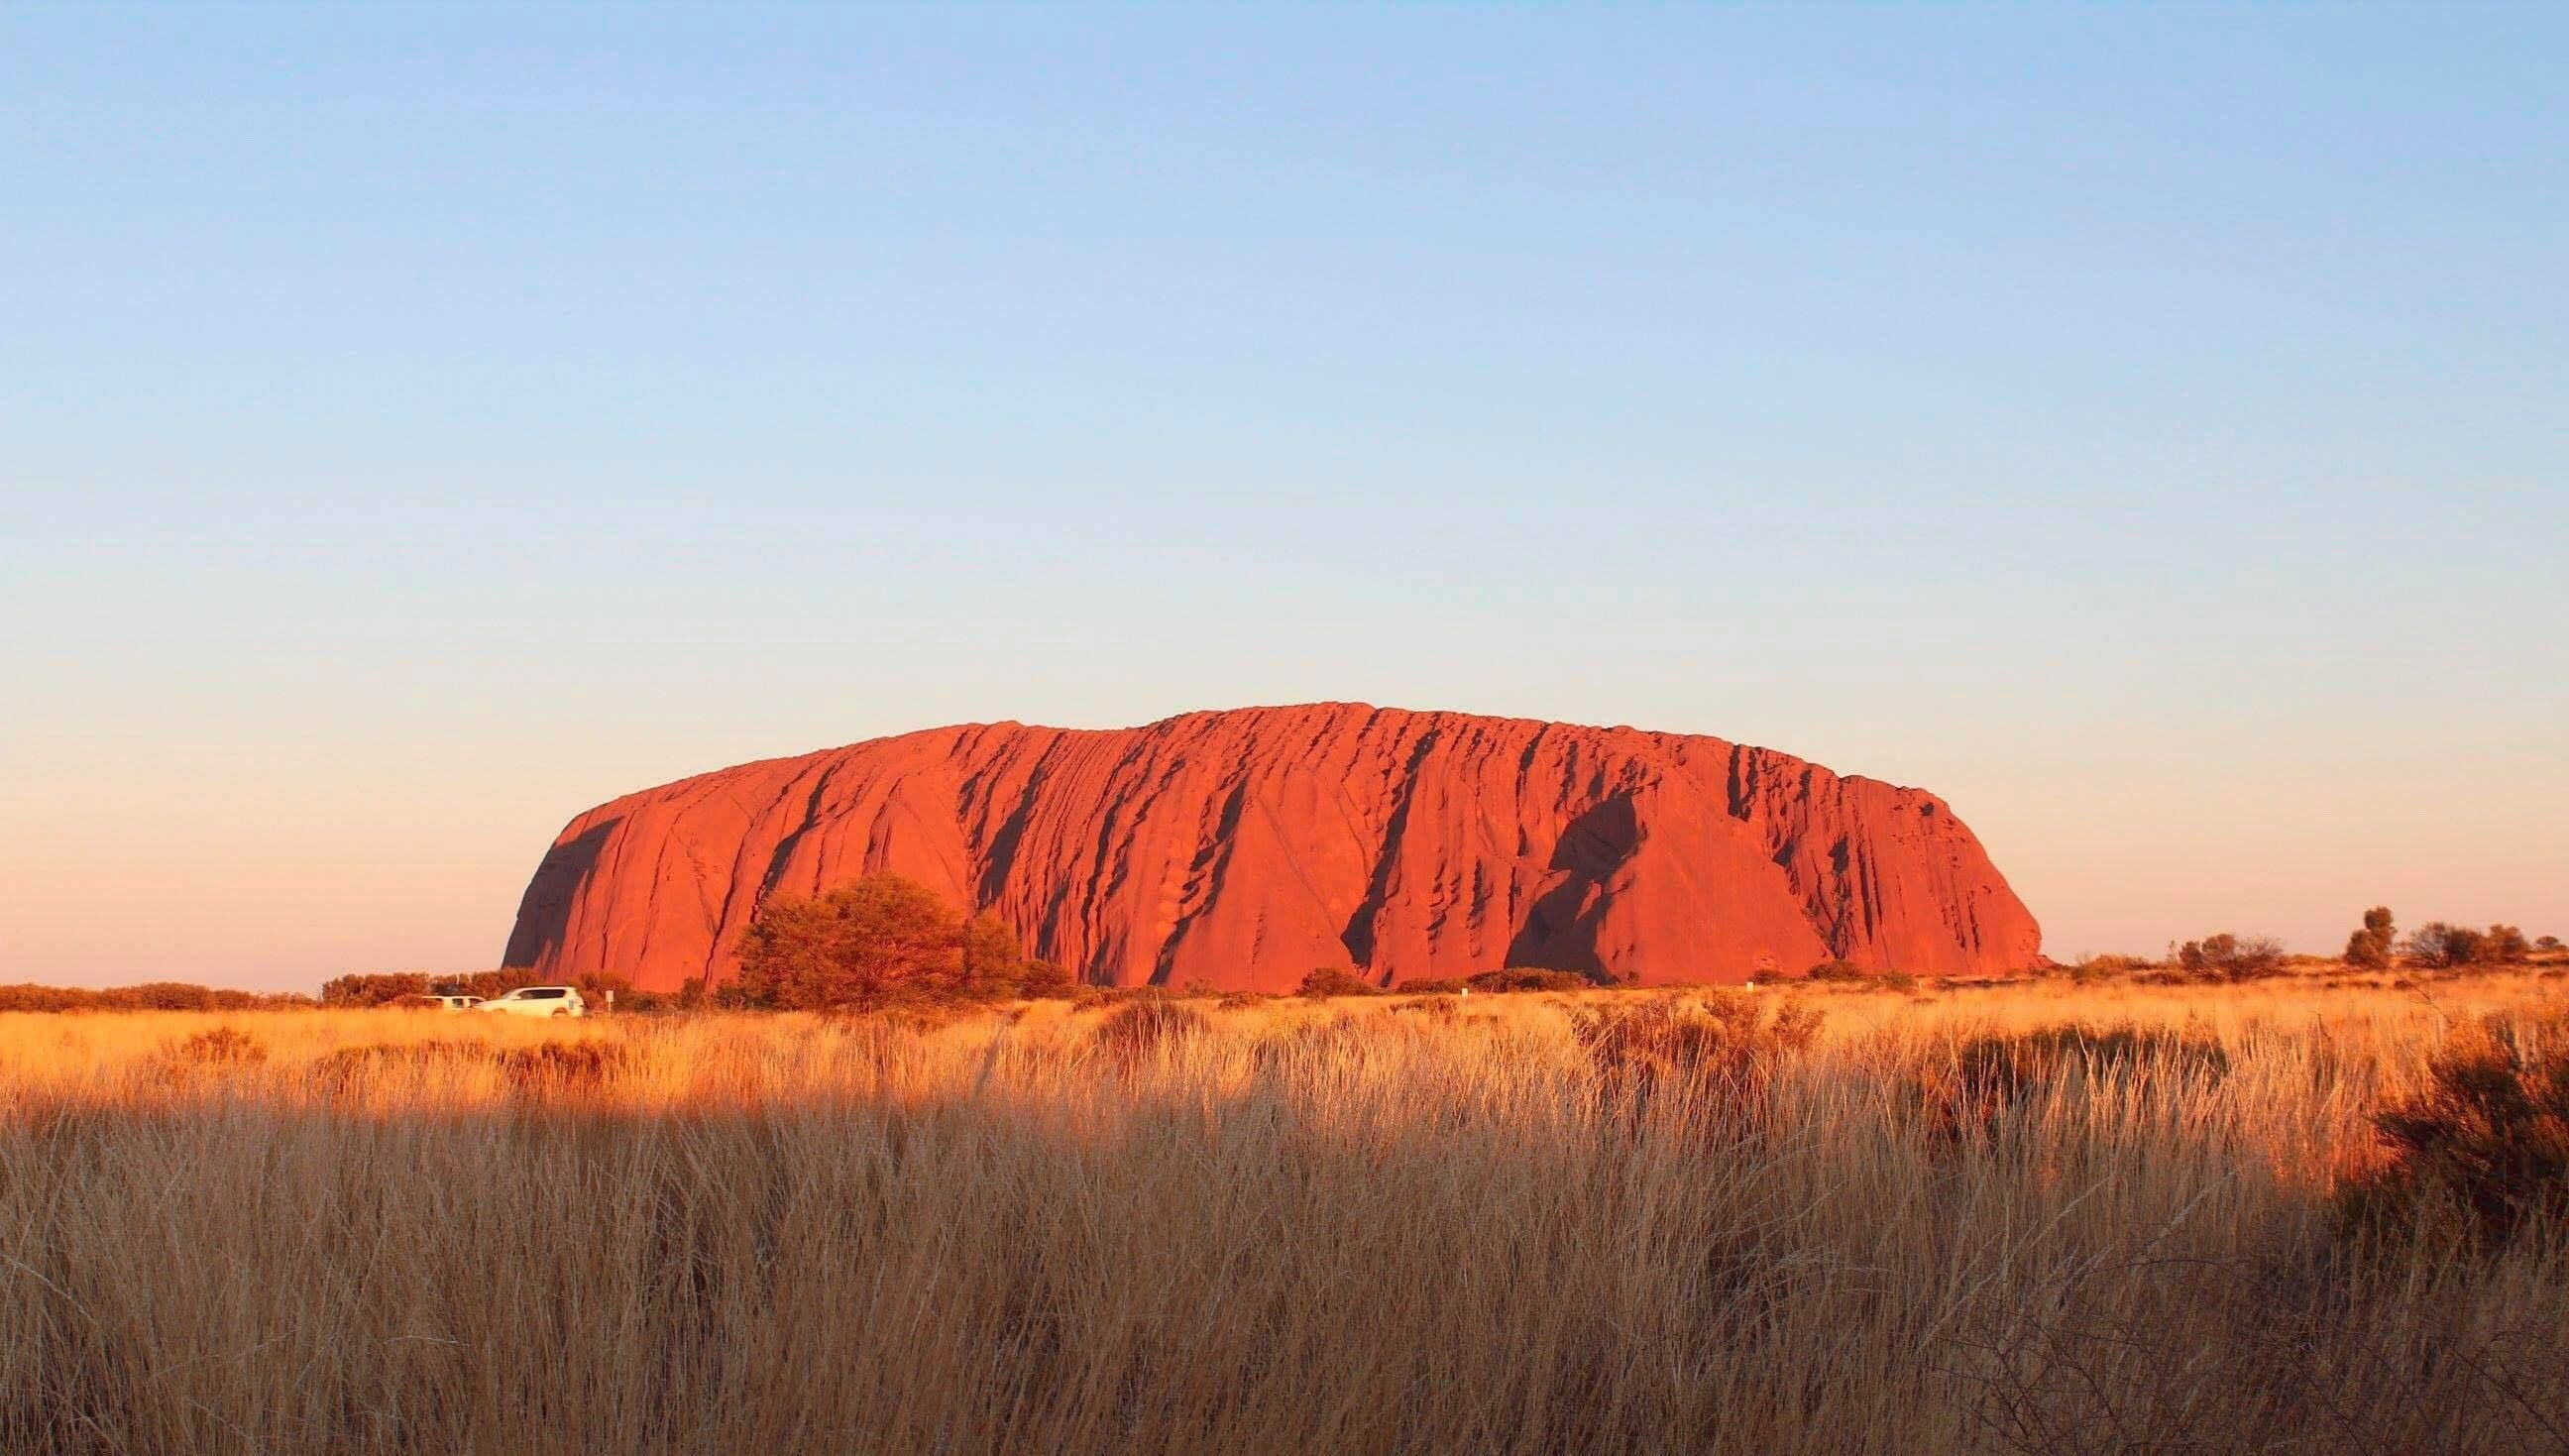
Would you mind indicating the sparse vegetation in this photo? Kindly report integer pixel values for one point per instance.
(167, 995)
(2447, 945)
(2506, 945)
(2369, 945)
(218, 1047)
(1730, 1040)
(2482, 1148)
(1530, 979)
(2231, 958)
(1335, 981)
(1142, 1027)
(395, 988)
(2288, 1216)
(2092, 969)
(882, 941)
(1987, 1076)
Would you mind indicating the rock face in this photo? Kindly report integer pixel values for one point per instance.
(1244, 849)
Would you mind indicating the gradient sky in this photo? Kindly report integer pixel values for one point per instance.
(2148, 431)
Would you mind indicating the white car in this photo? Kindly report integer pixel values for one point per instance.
(430, 1001)
(539, 1001)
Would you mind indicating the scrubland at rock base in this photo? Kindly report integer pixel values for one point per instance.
(1826, 1219)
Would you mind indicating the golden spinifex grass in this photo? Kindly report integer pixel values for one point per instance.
(1476, 1226)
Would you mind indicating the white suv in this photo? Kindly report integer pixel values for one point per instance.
(539, 1001)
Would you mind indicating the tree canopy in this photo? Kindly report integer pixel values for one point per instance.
(883, 940)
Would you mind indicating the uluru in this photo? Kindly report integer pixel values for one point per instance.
(1243, 848)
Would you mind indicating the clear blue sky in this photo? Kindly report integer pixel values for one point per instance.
(2149, 431)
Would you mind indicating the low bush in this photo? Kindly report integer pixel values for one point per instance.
(1727, 1039)
(2369, 944)
(1137, 1030)
(2231, 958)
(352, 1066)
(217, 1046)
(916, 1019)
(2481, 1152)
(2089, 969)
(2506, 945)
(1434, 1009)
(1531, 978)
(1989, 1076)
(1335, 981)
(160, 995)
(565, 1066)
(2447, 945)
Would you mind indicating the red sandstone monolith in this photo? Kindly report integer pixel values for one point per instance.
(1244, 849)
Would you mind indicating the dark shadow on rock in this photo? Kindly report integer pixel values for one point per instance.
(544, 916)
(1359, 936)
(1560, 928)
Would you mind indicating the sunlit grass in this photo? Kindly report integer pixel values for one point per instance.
(1355, 1225)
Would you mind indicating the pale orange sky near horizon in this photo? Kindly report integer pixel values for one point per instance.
(239, 862)
(424, 423)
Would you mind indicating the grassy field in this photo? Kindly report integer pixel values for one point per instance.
(1531, 1223)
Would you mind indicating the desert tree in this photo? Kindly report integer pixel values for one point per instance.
(995, 963)
(2370, 944)
(2439, 943)
(880, 941)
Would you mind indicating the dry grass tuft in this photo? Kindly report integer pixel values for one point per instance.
(1141, 1029)
(217, 1046)
(565, 1066)
(1991, 1076)
(1731, 1041)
